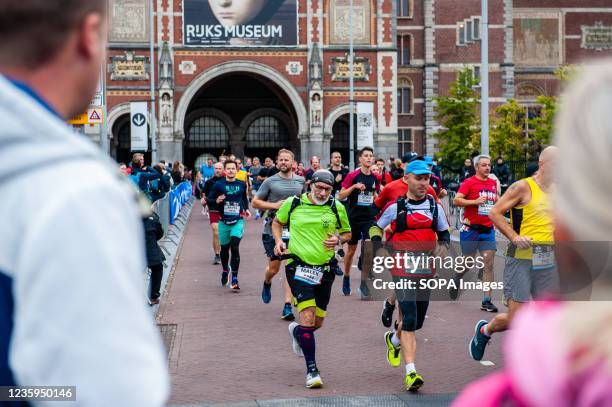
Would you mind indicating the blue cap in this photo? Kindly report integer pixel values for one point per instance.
(428, 160)
(418, 167)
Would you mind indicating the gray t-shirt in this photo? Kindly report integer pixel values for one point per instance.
(277, 188)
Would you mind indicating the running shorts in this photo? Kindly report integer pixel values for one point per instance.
(311, 295)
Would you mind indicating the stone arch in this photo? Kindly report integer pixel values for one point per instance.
(112, 117)
(241, 67)
(337, 112)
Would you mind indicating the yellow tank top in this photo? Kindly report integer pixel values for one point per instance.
(241, 175)
(533, 220)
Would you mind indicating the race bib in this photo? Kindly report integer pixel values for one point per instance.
(309, 274)
(286, 233)
(485, 208)
(543, 257)
(416, 265)
(365, 199)
(231, 209)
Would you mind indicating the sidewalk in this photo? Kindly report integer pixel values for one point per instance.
(230, 347)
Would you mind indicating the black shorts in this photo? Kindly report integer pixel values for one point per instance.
(268, 244)
(413, 305)
(308, 295)
(360, 230)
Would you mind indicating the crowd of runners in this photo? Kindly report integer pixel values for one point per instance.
(314, 220)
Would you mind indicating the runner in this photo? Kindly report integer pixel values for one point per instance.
(416, 218)
(339, 172)
(478, 194)
(213, 209)
(270, 196)
(231, 196)
(313, 219)
(530, 267)
(360, 188)
(389, 195)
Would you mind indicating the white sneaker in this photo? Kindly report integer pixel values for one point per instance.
(297, 349)
(313, 380)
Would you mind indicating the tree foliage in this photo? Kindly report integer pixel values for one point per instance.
(457, 114)
(507, 137)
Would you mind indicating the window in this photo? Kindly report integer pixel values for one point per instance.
(404, 45)
(404, 96)
(468, 31)
(267, 132)
(476, 28)
(405, 141)
(404, 8)
(461, 34)
(207, 132)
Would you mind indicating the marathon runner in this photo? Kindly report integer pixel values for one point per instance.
(313, 219)
(339, 172)
(231, 196)
(415, 220)
(213, 209)
(530, 269)
(270, 196)
(389, 195)
(360, 187)
(478, 194)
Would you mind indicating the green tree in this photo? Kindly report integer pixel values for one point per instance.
(457, 113)
(507, 134)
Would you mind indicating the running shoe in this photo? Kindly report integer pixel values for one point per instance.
(393, 352)
(266, 293)
(337, 270)
(387, 313)
(346, 285)
(488, 306)
(287, 313)
(224, 275)
(341, 252)
(295, 345)
(453, 291)
(235, 285)
(479, 341)
(257, 215)
(313, 380)
(414, 381)
(217, 259)
(364, 291)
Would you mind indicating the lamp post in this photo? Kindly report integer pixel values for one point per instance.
(484, 79)
(153, 123)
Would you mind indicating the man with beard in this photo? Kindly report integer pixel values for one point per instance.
(313, 219)
(271, 195)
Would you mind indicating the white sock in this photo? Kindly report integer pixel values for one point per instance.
(395, 340)
(410, 368)
(485, 330)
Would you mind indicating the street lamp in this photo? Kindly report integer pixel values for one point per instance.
(351, 90)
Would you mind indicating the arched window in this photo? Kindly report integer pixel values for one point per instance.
(404, 48)
(207, 132)
(267, 132)
(404, 96)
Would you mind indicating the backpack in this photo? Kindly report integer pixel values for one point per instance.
(155, 188)
(402, 211)
(297, 201)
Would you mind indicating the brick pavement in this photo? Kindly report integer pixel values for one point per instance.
(231, 347)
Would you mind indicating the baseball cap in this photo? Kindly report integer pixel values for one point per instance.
(323, 176)
(428, 160)
(406, 158)
(418, 167)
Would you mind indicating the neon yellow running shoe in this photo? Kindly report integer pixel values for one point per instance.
(414, 381)
(393, 352)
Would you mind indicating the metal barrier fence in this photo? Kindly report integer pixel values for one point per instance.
(162, 208)
(454, 213)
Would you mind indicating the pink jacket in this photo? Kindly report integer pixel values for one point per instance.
(537, 371)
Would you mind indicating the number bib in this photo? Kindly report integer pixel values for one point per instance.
(417, 267)
(543, 257)
(286, 233)
(485, 208)
(365, 199)
(309, 274)
(231, 209)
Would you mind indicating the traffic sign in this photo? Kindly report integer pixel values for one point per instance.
(95, 115)
(80, 119)
(138, 126)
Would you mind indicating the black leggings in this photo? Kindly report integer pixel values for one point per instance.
(157, 272)
(234, 247)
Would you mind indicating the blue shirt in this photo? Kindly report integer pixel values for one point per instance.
(235, 202)
(207, 172)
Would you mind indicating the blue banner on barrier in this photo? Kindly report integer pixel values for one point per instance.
(178, 197)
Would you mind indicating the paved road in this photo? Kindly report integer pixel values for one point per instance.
(230, 347)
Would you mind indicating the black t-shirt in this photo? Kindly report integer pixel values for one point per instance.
(268, 172)
(208, 185)
(338, 178)
(361, 203)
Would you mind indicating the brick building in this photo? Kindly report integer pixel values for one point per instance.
(218, 91)
(528, 41)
